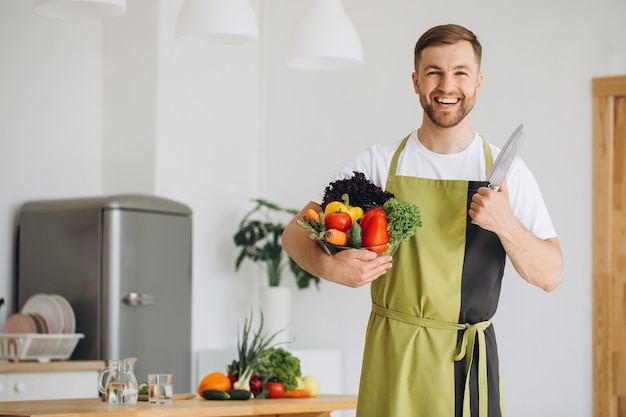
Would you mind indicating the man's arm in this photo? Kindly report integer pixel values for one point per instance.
(538, 261)
(352, 268)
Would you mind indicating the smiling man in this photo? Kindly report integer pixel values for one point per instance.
(430, 348)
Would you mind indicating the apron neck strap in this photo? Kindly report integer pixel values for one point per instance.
(396, 157)
(488, 157)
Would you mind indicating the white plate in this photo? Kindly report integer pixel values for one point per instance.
(49, 308)
(69, 319)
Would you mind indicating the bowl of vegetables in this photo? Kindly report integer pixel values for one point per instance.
(385, 249)
(357, 214)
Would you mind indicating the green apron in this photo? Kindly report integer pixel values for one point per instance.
(431, 311)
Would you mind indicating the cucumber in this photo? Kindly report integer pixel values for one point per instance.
(239, 394)
(356, 236)
(231, 394)
(142, 388)
(215, 394)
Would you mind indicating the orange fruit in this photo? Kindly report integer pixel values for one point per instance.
(215, 380)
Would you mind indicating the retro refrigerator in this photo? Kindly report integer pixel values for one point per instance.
(124, 264)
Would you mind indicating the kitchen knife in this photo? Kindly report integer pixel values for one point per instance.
(505, 158)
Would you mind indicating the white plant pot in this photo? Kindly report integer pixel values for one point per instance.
(276, 307)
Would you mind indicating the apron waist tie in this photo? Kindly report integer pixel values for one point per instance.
(464, 348)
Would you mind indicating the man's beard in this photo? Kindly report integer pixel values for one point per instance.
(448, 119)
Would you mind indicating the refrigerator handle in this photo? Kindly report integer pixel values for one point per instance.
(138, 299)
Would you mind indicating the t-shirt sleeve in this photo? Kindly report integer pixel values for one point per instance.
(527, 202)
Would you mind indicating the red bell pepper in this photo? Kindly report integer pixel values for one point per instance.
(374, 227)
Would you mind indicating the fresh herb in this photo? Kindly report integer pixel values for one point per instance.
(251, 348)
(315, 226)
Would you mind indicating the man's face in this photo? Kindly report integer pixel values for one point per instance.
(447, 81)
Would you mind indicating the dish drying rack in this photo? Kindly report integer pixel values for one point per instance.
(40, 347)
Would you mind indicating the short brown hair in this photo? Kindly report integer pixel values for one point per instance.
(447, 35)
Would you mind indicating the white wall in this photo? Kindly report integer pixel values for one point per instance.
(129, 100)
(208, 156)
(214, 127)
(50, 130)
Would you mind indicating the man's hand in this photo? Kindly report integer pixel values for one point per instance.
(355, 267)
(491, 209)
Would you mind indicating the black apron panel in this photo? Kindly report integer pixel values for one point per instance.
(484, 260)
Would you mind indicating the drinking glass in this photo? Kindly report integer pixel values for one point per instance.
(160, 389)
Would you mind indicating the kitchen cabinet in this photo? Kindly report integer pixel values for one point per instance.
(609, 246)
(45, 381)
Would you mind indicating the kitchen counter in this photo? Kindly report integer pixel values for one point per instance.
(52, 366)
(28, 381)
(320, 406)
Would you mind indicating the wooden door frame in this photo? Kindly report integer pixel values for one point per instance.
(605, 401)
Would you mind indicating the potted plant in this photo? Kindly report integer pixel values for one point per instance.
(259, 238)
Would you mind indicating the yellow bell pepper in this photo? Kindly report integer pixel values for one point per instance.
(335, 207)
(344, 207)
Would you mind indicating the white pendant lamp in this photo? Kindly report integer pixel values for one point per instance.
(326, 40)
(79, 9)
(217, 22)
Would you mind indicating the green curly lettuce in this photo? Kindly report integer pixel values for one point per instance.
(281, 366)
(403, 219)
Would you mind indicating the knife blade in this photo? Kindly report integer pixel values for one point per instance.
(505, 158)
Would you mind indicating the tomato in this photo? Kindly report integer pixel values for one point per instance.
(339, 221)
(275, 390)
(375, 230)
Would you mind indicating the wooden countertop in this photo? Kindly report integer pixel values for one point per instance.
(320, 406)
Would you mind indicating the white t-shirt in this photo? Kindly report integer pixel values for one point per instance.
(417, 161)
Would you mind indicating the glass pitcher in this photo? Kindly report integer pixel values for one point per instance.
(118, 382)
